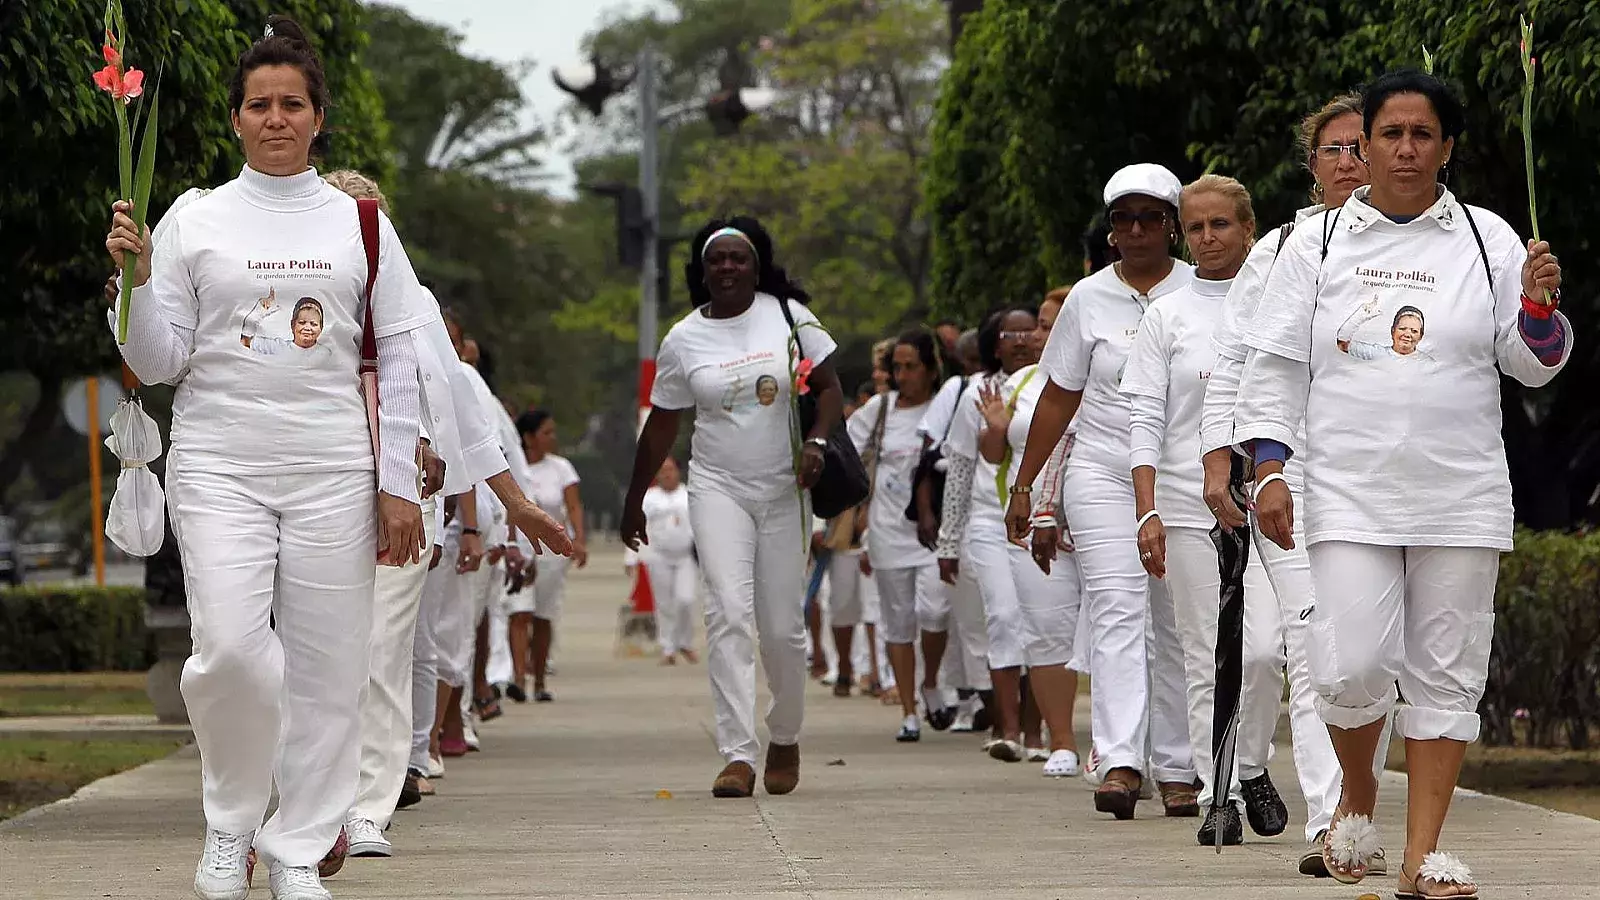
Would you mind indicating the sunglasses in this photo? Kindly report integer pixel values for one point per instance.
(1151, 220)
(1015, 335)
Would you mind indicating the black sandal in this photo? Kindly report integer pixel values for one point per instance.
(488, 708)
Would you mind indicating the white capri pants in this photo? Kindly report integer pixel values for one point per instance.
(674, 580)
(279, 700)
(989, 562)
(845, 589)
(1135, 658)
(458, 622)
(1419, 617)
(1050, 605)
(1195, 582)
(430, 664)
(913, 599)
(544, 597)
(1315, 763)
(972, 629)
(753, 557)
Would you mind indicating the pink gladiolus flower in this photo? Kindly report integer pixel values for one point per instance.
(122, 86)
(113, 58)
(802, 374)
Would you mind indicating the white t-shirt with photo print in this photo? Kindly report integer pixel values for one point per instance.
(734, 373)
(224, 261)
(1402, 442)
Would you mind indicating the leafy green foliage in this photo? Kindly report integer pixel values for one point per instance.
(73, 629)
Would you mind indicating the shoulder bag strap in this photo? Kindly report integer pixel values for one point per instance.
(1003, 474)
(368, 210)
(794, 330)
(1483, 252)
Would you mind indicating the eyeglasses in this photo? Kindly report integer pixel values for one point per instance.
(1150, 219)
(1015, 335)
(1332, 152)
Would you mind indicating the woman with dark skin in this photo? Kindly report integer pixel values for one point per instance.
(748, 473)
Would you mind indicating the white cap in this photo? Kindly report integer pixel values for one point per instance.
(1148, 179)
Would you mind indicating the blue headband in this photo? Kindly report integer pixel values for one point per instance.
(730, 232)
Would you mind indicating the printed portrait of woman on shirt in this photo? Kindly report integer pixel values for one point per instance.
(766, 390)
(1405, 333)
(305, 326)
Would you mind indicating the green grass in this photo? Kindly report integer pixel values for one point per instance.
(73, 694)
(36, 771)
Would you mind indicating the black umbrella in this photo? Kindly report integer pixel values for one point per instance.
(1233, 555)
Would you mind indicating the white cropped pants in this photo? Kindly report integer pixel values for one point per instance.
(1412, 622)
(277, 706)
(753, 557)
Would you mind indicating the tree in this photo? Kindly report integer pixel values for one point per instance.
(1201, 86)
(55, 122)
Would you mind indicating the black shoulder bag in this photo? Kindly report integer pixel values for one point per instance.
(843, 483)
(928, 469)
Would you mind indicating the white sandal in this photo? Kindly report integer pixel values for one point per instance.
(1350, 847)
(1441, 869)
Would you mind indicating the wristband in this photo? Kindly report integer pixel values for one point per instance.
(1043, 521)
(1152, 514)
(472, 531)
(1275, 476)
(1021, 489)
(1537, 310)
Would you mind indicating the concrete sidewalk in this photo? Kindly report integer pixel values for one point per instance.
(563, 803)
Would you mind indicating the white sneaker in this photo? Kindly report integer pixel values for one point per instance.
(366, 838)
(1038, 754)
(470, 735)
(966, 711)
(296, 883)
(435, 768)
(224, 870)
(1006, 751)
(1062, 764)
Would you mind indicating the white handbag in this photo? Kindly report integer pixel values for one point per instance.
(138, 519)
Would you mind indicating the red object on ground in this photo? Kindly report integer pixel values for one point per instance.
(643, 600)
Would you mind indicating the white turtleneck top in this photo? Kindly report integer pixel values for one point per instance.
(1165, 382)
(254, 310)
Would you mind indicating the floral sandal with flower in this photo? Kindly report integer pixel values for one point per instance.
(1440, 876)
(1350, 847)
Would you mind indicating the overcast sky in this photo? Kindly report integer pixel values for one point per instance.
(547, 31)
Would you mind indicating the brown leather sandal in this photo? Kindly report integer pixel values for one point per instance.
(1119, 793)
(738, 779)
(1181, 799)
(783, 768)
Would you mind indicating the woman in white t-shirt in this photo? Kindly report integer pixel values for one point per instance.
(972, 532)
(748, 471)
(1408, 499)
(555, 489)
(1329, 141)
(1140, 723)
(271, 475)
(912, 597)
(1165, 382)
(668, 562)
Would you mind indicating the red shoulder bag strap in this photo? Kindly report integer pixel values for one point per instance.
(369, 239)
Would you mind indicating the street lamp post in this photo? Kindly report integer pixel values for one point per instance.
(650, 196)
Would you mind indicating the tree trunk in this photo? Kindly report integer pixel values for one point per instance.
(40, 418)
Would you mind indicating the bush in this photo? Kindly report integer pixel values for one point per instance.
(1544, 676)
(73, 629)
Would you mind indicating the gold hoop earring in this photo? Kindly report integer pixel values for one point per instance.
(1111, 239)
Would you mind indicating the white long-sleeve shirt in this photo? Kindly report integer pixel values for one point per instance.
(1165, 383)
(1404, 450)
(1087, 350)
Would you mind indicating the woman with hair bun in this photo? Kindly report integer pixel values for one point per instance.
(272, 472)
(747, 502)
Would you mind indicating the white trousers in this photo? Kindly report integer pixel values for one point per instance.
(1417, 618)
(674, 581)
(913, 600)
(970, 625)
(989, 562)
(499, 669)
(458, 621)
(1195, 582)
(1135, 657)
(1050, 605)
(429, 662)
(277, 704)
(753, 557)
(386, 707)
(1315, 763)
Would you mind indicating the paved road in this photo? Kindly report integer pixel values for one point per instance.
(563, 803)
